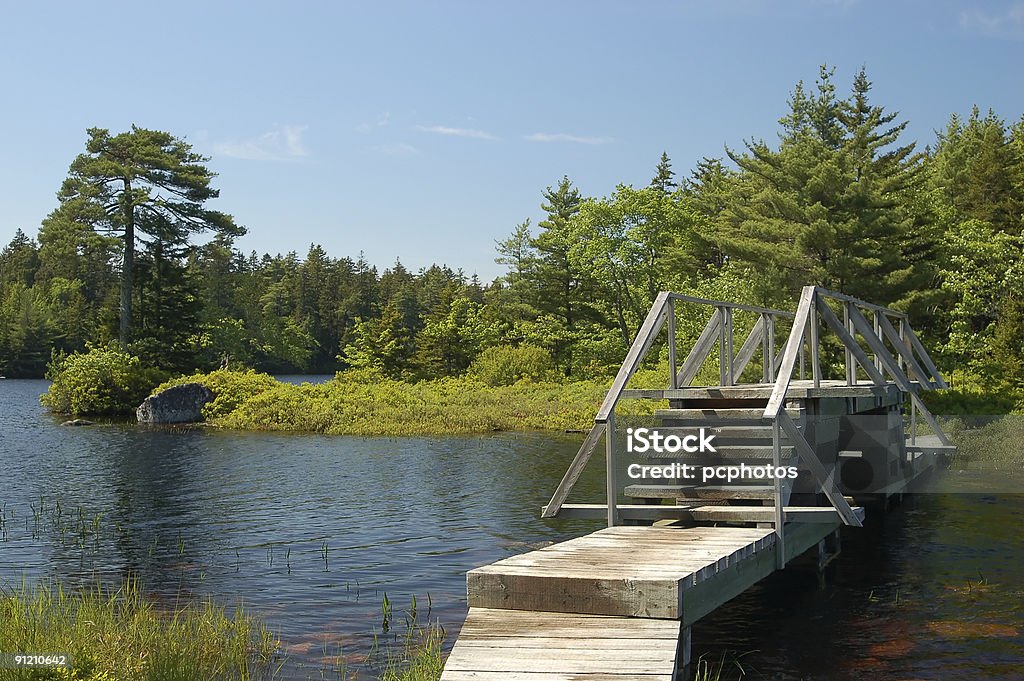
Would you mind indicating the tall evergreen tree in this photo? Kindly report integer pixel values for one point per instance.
(138, 184)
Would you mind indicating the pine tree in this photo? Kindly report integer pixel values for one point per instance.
(558, 283)
(142, 183)
(834, 204)
(663, 174)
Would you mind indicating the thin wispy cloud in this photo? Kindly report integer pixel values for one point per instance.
(398, 149)
(1005, 24)
(456, 132)
(381, 122)
(564, 137)
(283, 144)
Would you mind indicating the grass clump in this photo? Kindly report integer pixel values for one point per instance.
(420, 657)
(99, 382)
(990, 445)
(120, 635)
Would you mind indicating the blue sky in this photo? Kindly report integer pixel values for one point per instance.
(427, 130)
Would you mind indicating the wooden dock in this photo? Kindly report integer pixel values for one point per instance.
(619, 603)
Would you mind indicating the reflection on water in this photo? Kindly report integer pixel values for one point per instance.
(311, 531)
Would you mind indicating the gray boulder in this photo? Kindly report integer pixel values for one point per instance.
(180, 404)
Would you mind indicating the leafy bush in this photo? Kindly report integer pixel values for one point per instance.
(504, 364)
(99, 382)
(968, 401)
(230, 388)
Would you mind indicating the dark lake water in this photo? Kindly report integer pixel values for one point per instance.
(932, 590)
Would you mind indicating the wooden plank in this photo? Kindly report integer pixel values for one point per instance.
(902, 350)
(766, 514)
(797, 390)
(785, 374)
(812, 329)
(711, 414)
(579, 462)
(700, 351)
(641, 344)
(713, 591)
(936, 428)
(650, 491)
(748, 349)
(810, 459)
(624, 595)
(850, 342)
(510, 661)
(734, 306)
(611, 485)
(458, 675)
(672, 368)
(625, 512)
(581, 642)
(882, 354)
(926, 358)
(723, 452)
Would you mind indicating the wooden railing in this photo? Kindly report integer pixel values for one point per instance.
(894, 348)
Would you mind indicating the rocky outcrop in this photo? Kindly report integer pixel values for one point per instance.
(180, 404)
(77, 422)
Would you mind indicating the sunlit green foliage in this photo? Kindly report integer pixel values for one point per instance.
(100, 382)
(504, 364)
(230, 388)
(366, 402)
(842, 200)
(122, 636)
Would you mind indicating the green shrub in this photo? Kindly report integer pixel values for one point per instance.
(230, 388)
(504, 364)
(970, 401)
(99, 382)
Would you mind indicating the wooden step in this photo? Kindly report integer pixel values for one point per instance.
(718, 492)
(706, 513)
(723, 455)
(712, 415)
(766, 514)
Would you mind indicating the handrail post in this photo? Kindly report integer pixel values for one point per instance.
(770, 334)
(673, 378)
(802, 372)
(728, 346)
(721, 345)
(913, 422)
(851, 368)
(812, 327)
(878, 333)
(780, 518)
(766, 376)
(610, 473)
(903, 339)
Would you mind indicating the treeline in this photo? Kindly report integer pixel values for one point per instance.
(841, 200)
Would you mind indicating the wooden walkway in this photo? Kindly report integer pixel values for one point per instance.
(508, 645)
(619, 603)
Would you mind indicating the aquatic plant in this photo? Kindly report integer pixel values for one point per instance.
(120, 635)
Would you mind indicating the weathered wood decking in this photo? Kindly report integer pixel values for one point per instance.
(618, 603)
(504, 645)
